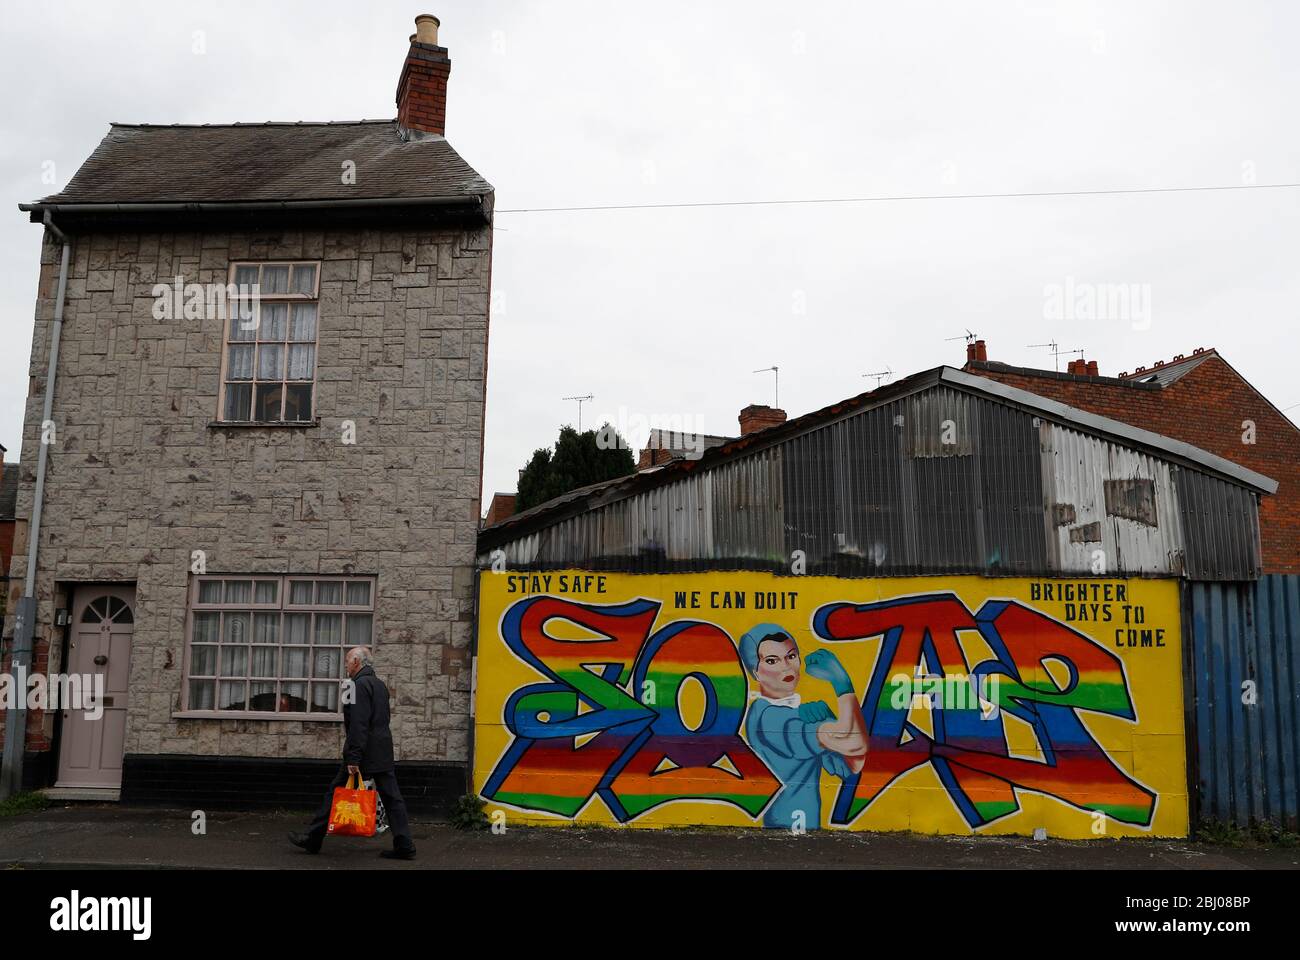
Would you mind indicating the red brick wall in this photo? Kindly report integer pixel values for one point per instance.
(502, 506)
(1206, 408)
(422, 90)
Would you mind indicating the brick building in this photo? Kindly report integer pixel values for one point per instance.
(1199, 399)
(502, 506)
(240, 490)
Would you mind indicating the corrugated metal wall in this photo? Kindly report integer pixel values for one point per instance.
(1220, 526)
(942, 481)
(1247, 754)
(937, 482)
(730, 514)
(1078, 471)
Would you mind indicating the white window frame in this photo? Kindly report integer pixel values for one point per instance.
(289, 298)
(284, 609)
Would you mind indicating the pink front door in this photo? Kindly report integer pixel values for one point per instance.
(90, 750)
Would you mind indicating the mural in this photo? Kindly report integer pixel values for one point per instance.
(955, 705)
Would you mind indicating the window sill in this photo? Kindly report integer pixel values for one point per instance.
(246, 715)
(265, 425)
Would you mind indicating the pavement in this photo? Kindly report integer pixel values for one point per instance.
(90, 836)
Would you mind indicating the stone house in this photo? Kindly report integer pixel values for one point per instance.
(263, 445)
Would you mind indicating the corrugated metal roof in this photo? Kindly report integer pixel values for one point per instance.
(940, 480)
(601, 494)
(1158, 443)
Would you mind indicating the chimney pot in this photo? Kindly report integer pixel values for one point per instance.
(981, 351)
(1092, 369)
(426, 29)
(970, 352)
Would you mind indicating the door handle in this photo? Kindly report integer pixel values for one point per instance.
(101, 660)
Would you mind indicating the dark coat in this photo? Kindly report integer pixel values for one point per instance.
(370, 741)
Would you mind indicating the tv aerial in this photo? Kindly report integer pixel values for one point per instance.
(581, 400)
(886, 374)
(777, 389)
(1056, 351)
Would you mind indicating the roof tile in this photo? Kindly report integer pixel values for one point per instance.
(268, 162)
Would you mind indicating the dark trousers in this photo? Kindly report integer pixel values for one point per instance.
(386, 786)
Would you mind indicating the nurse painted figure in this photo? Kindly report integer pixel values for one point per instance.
(797, 741)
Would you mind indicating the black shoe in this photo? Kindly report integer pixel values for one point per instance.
(305, 841)
(400, 853)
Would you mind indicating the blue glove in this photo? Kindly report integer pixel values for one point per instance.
(824, 665)
(836, 765)
(815, 712)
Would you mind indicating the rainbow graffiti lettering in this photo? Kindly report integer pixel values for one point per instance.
(969, 746)
(605, 719)
(641, 754)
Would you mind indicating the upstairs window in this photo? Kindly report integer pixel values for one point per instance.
(269, 362)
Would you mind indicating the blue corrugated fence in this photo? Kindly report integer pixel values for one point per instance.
(1245, 663)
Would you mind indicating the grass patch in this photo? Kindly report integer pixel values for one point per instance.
(21, 803)
(1257, 834)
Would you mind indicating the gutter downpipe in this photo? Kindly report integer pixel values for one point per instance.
(11, 766)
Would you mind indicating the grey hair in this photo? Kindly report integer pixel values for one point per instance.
(362, 655)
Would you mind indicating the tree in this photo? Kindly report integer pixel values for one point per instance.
(579, 459)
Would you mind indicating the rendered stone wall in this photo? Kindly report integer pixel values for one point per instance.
(139, 476)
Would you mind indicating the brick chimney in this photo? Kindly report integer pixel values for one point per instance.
(1083, 368)
(422, 89)
(755, 418)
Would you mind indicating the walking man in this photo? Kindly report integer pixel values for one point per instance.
(369, 753)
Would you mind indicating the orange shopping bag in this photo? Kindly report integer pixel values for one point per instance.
(352, 813)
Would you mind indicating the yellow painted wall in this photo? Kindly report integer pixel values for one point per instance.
(1082, 734)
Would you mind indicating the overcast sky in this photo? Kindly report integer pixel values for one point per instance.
(665, 313)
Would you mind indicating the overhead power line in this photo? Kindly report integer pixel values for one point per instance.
(896, 199)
